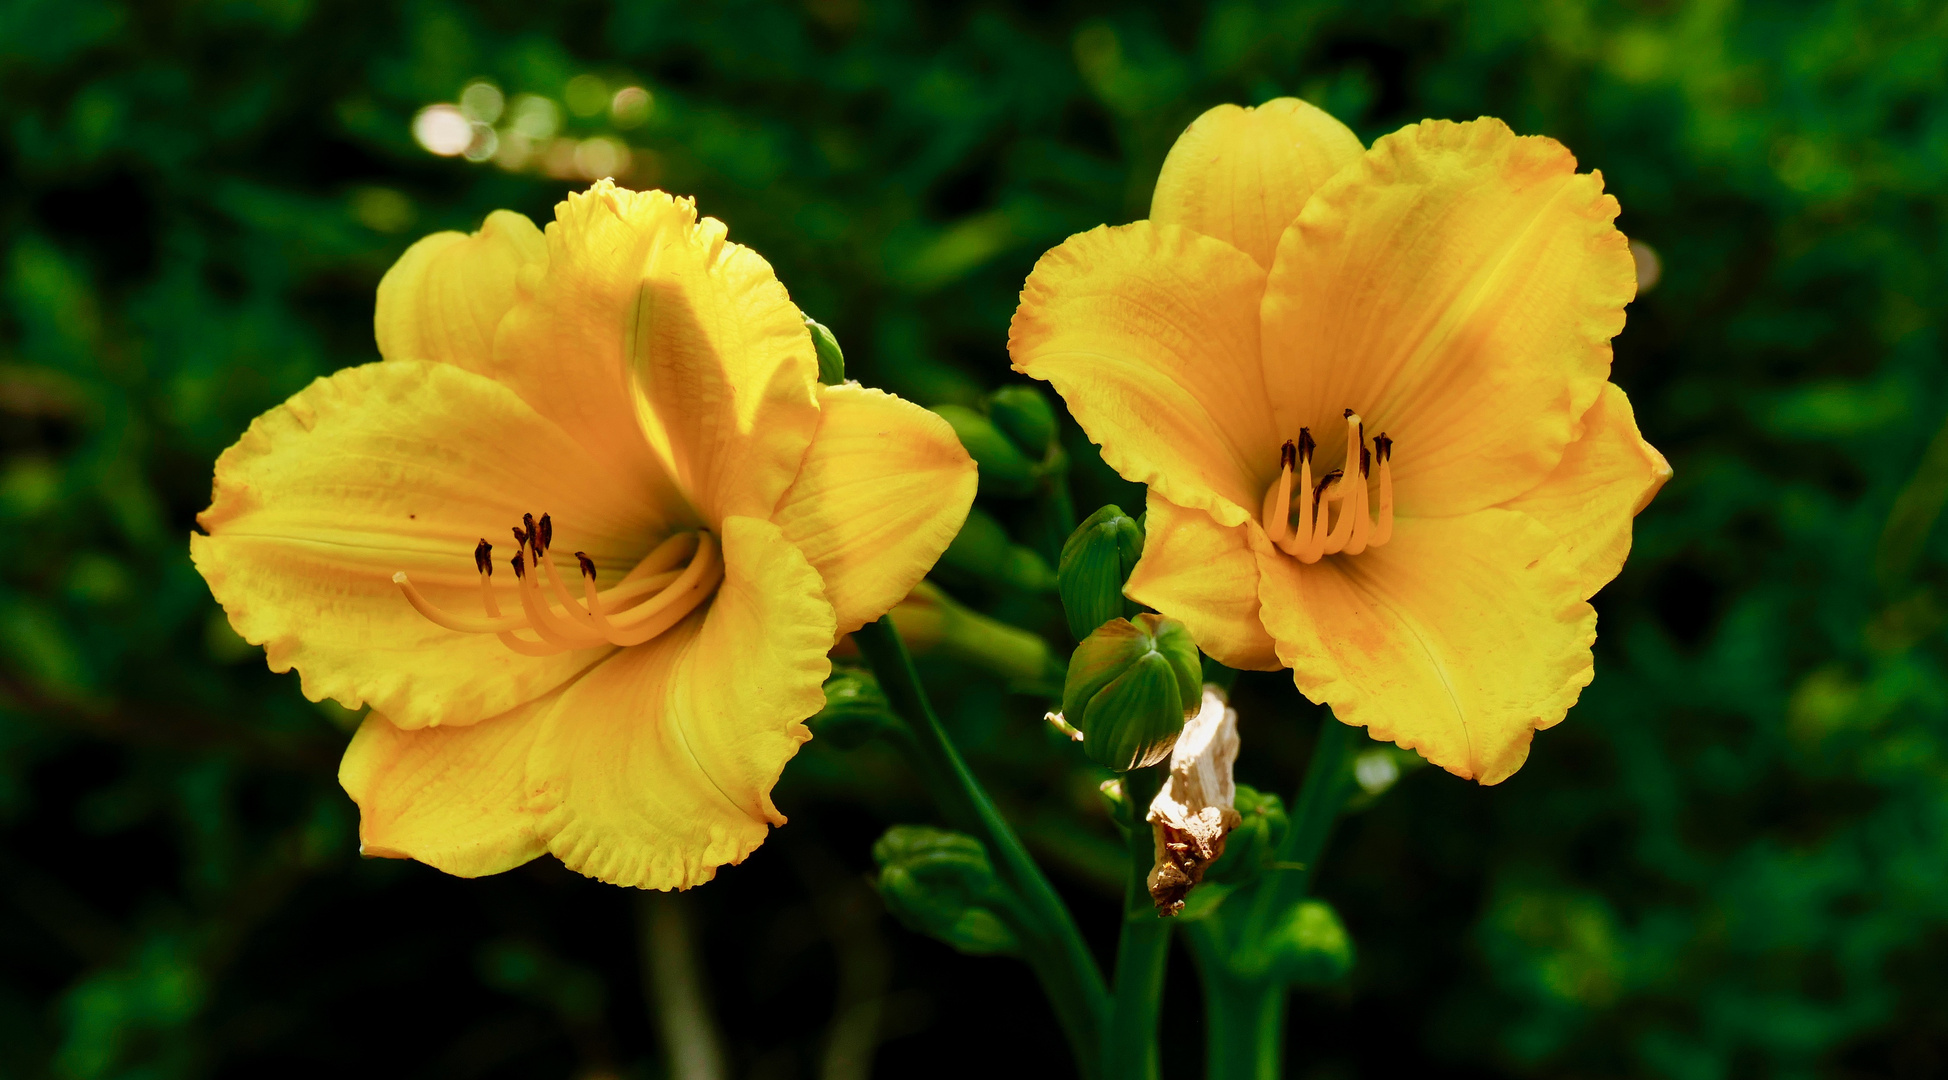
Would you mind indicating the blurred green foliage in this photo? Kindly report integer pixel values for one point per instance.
(1731, 860)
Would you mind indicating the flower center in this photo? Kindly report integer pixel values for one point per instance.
(650, 599)
(1316, 533)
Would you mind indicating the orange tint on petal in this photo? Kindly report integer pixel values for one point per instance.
(1460, 638)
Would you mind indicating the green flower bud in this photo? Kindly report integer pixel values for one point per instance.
(982, 548)
(1309, 946)
(1096, 561)
(940, 883)
(1005, 470)
(1250, 847)
(855, 710)
(831, 359)
(1130, 686)
(1023, 412)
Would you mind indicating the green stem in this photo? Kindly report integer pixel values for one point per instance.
(1142, 949)
(1244, 1019)
(1324, 791)
(1052, 946)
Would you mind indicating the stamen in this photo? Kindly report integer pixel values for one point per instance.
(650, 599)
(1277, 515)
(1383, 452)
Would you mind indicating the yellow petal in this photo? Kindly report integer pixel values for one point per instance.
(1242, 175)
(640, 294)
(881, 493)
(725, 368)
(446, 295)
(1150, 333)
(1605, 478)
(1458, 287)
(403, 465)
(1203, 575)
(1458, 639)
(657, 767)
(454, 798)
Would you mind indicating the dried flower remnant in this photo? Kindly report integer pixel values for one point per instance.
(1193, 813)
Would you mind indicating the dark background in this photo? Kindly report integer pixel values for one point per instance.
(1730, 861)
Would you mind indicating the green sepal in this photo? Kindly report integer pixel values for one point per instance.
(1096, 560)
(941, 884)
(1024, 414)
(1004, 469)
(1129, 688)
(1249, 848)
(831, 358)
(855, 710)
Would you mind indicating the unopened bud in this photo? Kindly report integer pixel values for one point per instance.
(1004, 469)
(941, 884)
(831, 359)
(1249, 848)
(1096, 561)
(1309, 946)
(1130, 686)
(983, 548)
(1025, 416)
(855, 710)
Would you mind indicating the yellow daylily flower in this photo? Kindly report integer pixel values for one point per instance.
(630, 387)
(1451, 292)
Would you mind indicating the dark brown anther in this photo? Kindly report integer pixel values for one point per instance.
(520, 537)
(1383, 447)
(1319, 489)
(588, 564)
(1306, 445)
(1349, 414)
(520, 566)
(533, 533)
(483, 557)
(1288, 455)
(547, 533)
(1366, 462)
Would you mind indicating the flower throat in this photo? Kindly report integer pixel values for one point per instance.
(1316, 534)
(650, 599)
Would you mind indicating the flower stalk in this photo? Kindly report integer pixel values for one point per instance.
(1052, 945)
(1142, 946)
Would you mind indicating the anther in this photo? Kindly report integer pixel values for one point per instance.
(520, 568)
(1306, 445)
(588, 564)
(1288, 455)
(483, 557)
(520, 537)
(533, 534)
(547, 533)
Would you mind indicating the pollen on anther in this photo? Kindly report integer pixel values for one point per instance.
(483, 557)
(1383, 447)
(588, 564)
(520, 566)
(547, 533)
(1306, 444)
(520, 537)
(1288, 455)
(1366, 461)
(533, 532)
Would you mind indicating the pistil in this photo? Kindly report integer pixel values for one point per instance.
(654, 596)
